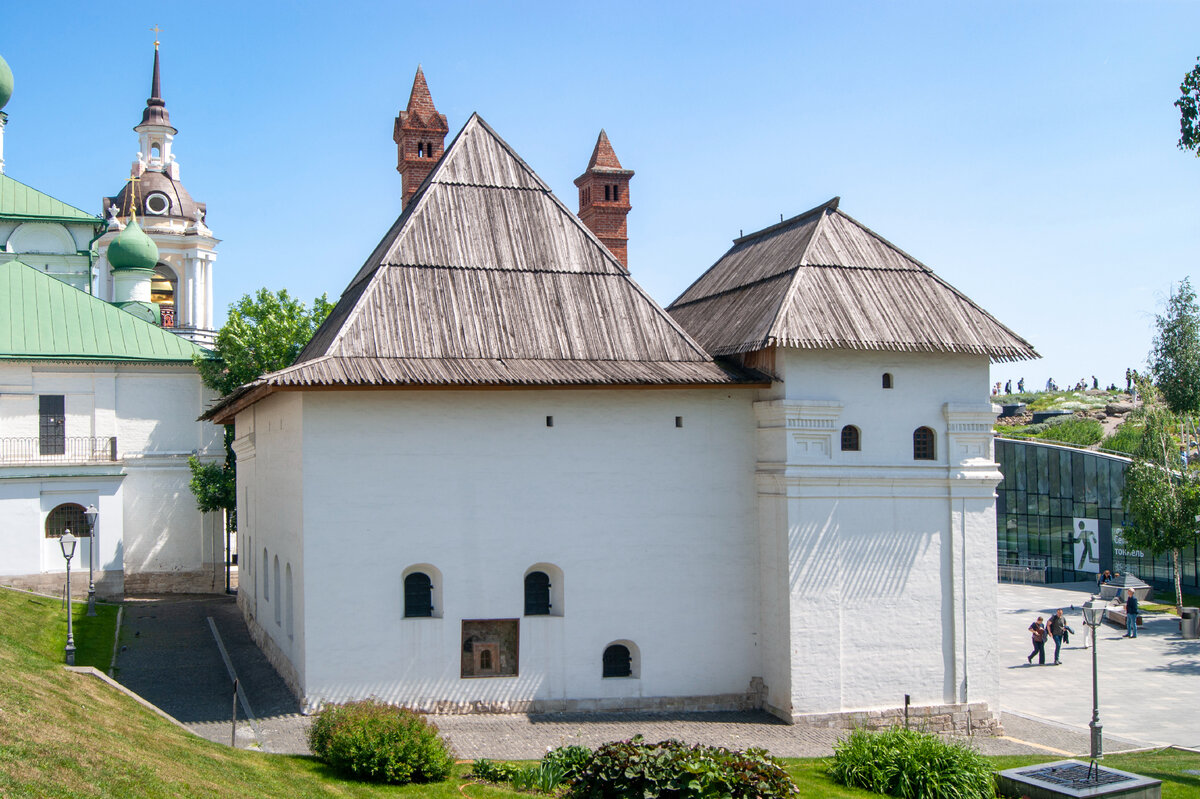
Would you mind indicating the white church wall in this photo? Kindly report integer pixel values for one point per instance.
(150, 527)
(876, 609)
(652, 525)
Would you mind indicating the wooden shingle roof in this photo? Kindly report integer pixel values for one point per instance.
(821, 280)
(487, 279)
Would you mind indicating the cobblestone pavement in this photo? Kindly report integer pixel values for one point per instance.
(170, 656)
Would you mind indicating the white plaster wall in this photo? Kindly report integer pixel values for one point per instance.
(270, 475)
(876, 571)
(149, 521)
(653, 526)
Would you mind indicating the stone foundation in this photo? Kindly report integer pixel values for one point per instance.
(275, 655)
(109, 585)
(200, 581)
(969, 719)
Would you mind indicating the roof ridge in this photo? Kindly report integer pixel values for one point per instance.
(88, 215)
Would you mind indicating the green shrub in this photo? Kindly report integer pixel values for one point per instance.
(635, 769)
(489, 771)
(1073, 430)
(1125, 439)
(572, 759)
(372, 741)
(911, 765)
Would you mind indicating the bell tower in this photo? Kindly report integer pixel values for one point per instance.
(604, 198)
(420, 136)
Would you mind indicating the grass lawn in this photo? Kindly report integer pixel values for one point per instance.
(68, 735)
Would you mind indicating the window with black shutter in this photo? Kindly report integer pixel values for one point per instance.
(850, 441)
(52, 413)
(418, 595)
(924, 448)
(537, 594)
(617, 662)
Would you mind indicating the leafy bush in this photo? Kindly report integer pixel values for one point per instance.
(1125, 439)
(485, 769)
(1073, 430)
(572, 759)
(911, 765)
(635, 769)
(369, 740)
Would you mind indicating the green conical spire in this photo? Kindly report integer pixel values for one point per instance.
(132, 249)
(6, 83)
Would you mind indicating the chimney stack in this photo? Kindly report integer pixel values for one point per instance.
(604, 198)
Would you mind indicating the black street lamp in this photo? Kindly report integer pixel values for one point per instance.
(67, 542)
(1093, 616)
(92, 514)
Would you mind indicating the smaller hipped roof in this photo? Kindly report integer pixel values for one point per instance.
(487, 279)
(43, 318)
(822, 280)
(18, 201)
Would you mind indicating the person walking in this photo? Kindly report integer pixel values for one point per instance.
(1058, 628)
(1038, 630)
(1131, 614)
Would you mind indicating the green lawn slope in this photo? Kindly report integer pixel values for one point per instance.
(71, 735)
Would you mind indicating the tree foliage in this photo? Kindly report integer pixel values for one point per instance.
(1175, 353)
(264, 332)
(1162, 494)
(1189, 106)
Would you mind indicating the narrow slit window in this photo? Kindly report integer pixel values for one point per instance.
(549, 421)
(887, 379)
(679, 421)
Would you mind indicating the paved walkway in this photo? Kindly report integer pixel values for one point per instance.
(1148, 690)
(1148, 687)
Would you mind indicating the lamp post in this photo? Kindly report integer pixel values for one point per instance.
(92, 514)
(1093, 616)
(67, 542)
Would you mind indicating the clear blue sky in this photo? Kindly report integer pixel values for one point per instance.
(1023, 150)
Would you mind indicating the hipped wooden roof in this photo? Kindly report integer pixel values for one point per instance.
(821, 280)
(487, 279)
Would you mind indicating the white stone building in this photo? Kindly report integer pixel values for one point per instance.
(98, 406)
(502, 477)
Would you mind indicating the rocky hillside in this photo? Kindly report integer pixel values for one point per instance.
(1091, 418)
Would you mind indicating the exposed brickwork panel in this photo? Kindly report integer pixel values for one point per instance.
(420, 136)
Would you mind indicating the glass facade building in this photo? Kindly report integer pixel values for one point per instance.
(1061, 508)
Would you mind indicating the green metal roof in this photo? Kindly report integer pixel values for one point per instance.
(25, 202)
(43, 318)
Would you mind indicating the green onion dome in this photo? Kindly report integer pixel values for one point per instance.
(133, 249)
(6, 83)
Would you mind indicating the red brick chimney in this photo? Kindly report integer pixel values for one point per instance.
(420, 136)
(604, 198)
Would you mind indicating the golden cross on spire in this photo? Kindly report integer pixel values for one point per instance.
(133, 198)
(157, 30)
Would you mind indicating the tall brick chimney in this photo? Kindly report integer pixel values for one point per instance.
(420, 136)
(604, 198)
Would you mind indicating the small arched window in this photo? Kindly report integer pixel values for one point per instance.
(887, 379)
(67, 516)
(485, 659)
(537, 594)
(418, 595)
(924, 445)
(850, 442)
(278, 604)
(617, 661)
